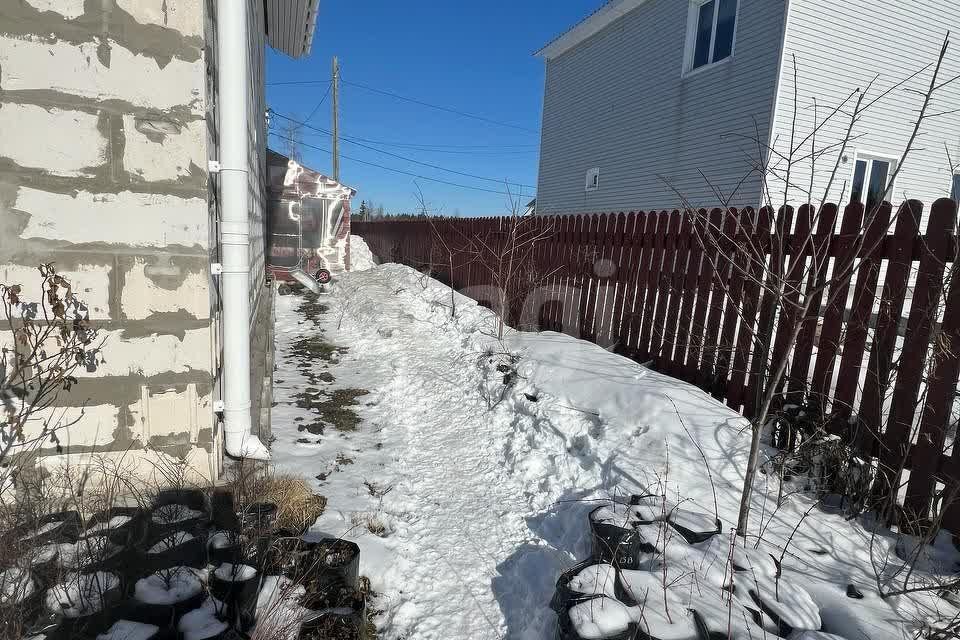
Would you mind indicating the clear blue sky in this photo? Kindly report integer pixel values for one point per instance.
(467, 56)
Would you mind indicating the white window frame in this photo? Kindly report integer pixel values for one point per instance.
(592, 179)
(690, 48)
(869, 157)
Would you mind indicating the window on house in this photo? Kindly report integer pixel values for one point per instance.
(955, 190)
(593, 179)
(713, 32)
(869, 183)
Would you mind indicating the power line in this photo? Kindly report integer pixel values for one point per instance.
(450, 148)
(405, 158)
(401, 171)
(439, 107)
(422, 103)
(319, 104)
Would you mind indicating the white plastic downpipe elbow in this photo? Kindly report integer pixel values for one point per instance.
(233, 81)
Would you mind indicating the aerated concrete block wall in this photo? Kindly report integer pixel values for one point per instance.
(106, 125)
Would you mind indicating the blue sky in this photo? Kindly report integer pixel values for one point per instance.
(471, 57)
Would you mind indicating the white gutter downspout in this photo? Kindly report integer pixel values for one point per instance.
(233, 78)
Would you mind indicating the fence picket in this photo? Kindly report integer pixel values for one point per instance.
(829, 342)
(855, 342)
(689, 293)
(669, 298)
(923, 316)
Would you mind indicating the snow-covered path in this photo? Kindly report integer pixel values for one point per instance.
(475, 461)
(452, 512)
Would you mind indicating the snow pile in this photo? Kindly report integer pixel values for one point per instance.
(171, 541)
(16, 585)
(485, 457)
(203, 622)
(127, 630)
(234, 572)
(82, 594)
(174, 513)
(168, 587)
(279, 614)
(113, 523)
(361, 258)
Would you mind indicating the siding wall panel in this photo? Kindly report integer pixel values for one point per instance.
(618, 101)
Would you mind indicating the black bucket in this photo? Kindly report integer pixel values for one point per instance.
(348, 622)
(621, 546)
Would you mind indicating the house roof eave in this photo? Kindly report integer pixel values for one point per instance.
(291, 24)
(606, 15)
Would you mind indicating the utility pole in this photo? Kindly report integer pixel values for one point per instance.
(336, 119)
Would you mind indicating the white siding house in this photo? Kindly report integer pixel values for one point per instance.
(658, 104)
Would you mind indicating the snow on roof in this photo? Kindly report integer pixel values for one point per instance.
(610, 12)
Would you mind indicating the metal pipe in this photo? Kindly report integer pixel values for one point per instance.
(234, 83)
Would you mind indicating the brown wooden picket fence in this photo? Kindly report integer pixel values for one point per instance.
(882, 360)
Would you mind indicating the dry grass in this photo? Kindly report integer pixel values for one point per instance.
(298, 506)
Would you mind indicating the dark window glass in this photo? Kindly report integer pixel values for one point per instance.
(726, 20)
(701, 54)
(878, 183)
(955, 192)
(859, 175)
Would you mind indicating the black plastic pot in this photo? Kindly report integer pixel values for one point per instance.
(194, 499)
(259, 515)
(566, 630)
(94, 623)
(622, 547)
(226, 586)
(27, 609)
(162, 632)
(223, 511)
(191, 553)
(695, 537)
(156, 613)
(129, 534)
(125, 561)
(347, 623)
(229, 553)
(327, 569)
(68, 530)
(564, 595)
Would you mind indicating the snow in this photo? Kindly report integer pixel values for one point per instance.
(234, 572)
(171, 541)
(601, 618)
(16, 585)
(113, 523)
(279, 613)
(86, 550)
(484, 488)
(361, 257)
(220, 540)
(81, 594)
(127, 630)
(174, 513)
(168, 587)
(47, 528)
(46, 553)
(597, 579)
(203, 623)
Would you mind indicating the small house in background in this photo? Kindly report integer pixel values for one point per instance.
(308, 219)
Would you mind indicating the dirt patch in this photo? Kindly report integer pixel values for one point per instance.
(309, 350)
(335, 409)
(311, 307)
